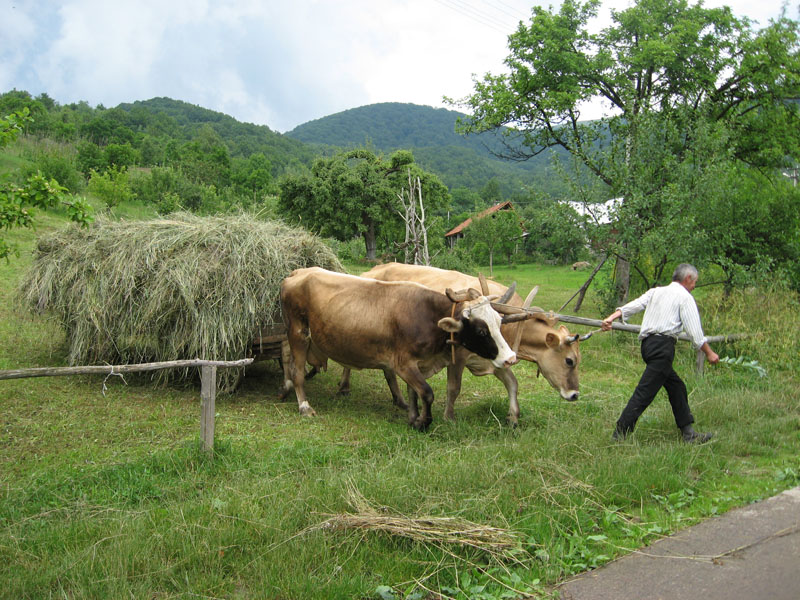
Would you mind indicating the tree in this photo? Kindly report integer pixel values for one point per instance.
(253, 176)
(16, 201)
(413, 214)
(665, 69)
(556, 231)
(499, 231)
(355, 193)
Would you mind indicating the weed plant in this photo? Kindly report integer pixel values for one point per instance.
(108, 494)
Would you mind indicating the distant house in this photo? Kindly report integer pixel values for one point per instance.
(457, 232)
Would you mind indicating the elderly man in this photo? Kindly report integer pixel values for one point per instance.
(668, 310)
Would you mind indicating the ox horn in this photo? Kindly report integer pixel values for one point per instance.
(507, 309)
(526, 304)
(515, 318)
(571, 339)
(484, 285)
(507, 294)
(529, 299)
(462, 295)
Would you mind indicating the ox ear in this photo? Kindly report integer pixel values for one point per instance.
(450, 325)
(552, 340)
(462, 295)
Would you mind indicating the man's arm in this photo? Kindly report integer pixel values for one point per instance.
(712, 356)
(631, 308)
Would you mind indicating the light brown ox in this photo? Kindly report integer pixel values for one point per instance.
(398, 327)
(556, 351)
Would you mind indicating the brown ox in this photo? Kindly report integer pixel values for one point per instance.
(556, 351)
(399, 327)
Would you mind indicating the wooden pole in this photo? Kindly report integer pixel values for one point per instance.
(114, 369)
(701, 356)
(208, 382)
(208, 393)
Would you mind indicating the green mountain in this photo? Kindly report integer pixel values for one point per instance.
(242, 139)
(460, 161)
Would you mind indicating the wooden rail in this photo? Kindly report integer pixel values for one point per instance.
(208, 382)
(701, 357)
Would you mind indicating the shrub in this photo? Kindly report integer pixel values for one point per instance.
(456, 259)
(111, 187)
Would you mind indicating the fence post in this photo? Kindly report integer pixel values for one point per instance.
(208, 391)
(701, 362)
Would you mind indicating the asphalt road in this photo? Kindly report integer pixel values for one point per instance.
(750, 553)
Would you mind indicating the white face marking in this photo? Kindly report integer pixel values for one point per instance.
(484, 311)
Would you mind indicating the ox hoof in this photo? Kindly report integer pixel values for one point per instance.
(343, 392)
(400, 404)
(307, 411)
(511, 421)
(449, 416)
(421, 424)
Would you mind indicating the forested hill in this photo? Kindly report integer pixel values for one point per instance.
(388, 126)
(242, 139)
(460, 161)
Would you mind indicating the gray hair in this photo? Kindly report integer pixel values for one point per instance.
(682, 271)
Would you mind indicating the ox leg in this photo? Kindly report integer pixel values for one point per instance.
(344, 383)
(418, 387)
(510, 381)
(454, 374)
(413, 409)
(298, 345)
(397, 395)
(288, 368)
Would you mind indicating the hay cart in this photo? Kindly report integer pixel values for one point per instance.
(267, 345)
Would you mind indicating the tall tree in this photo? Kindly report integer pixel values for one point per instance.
(500, 231)
(355, 193)
(16, 201)
(664, 68)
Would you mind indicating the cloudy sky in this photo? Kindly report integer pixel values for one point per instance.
(279, 63)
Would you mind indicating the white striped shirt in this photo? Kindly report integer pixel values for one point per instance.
(670, 309)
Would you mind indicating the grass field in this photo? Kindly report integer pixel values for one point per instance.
(105, 493)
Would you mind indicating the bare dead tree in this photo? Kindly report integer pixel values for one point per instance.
(416, 238)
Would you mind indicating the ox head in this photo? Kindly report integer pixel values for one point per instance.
(558, 361)
(477, 327)
(556, 351)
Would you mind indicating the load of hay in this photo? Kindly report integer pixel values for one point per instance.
(176, 288)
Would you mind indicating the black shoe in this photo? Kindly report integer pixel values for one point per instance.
(690, 436)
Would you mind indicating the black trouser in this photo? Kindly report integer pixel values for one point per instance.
(658, 352)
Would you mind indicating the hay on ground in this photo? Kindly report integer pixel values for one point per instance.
(501, 544)
(175, 288)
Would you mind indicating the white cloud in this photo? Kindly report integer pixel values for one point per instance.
(272, 63)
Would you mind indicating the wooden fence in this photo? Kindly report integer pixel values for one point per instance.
(208, 382)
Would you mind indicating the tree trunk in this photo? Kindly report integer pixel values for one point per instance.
(369, 241)
(623, 279)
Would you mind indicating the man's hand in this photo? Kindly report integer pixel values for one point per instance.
(711, 356)
(606, 324)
